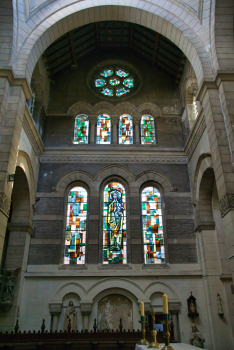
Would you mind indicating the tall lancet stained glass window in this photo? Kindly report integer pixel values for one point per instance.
(76, 226)
(103, 129)
(125, 129)
(81, 129)
(114, 224)
(147, 130)
(154, 252)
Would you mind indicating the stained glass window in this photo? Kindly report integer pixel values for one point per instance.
(154, 252)
(100, 82)
(107, 73)
(125, 129)
(147, 130)
(114, 81)
(103, 129)
(121, 91)
(76, 226)
(107, 92)
(121, 73)
(81, 129)
(129, 82)
(114, 224)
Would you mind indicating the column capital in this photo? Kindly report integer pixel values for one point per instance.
(21, 227)
(226, 204)
(55, 307)
(136, 120)
(86, 307)
(114, 120)
(205, 226)
(92, 119)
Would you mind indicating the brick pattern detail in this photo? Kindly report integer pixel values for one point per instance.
(51, 206)
(135, 227)
(94, 204)
(180, 229)
(135, 206)
(182, 253)
(40, 254)
(93, 229)
(178, 206)
(137, 254)
(48, 229)
(92, 254)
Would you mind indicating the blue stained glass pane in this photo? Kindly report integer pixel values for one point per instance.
(114, 224)
(103, 129)
(121, 73)
(129, 82)
(107, 92)
(107, 73)
(125, 129)
(100, 82)
(114, 81)
(76, 226)
(152, 225)
(121, 92)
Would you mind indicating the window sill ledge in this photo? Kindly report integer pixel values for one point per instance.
(72, 267)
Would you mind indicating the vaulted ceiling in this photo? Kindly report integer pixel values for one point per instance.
(109, 35)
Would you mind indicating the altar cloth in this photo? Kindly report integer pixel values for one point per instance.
(176, 346)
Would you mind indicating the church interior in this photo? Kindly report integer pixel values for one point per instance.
(116, 174)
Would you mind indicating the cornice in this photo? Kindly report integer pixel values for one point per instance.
(32, 133)
(8, 74)
(221, 76)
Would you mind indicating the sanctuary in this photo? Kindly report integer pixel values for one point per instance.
(116, 173)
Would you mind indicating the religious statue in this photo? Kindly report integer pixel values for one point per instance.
(192, 306)
(197, 338)
(115, 220)
(70, 315)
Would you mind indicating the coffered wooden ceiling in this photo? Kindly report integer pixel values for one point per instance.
(109, 35)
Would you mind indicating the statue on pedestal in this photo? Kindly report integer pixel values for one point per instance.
(197, 338)
(71, 315)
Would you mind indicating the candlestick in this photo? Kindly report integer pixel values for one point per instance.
(167, 345)
(165, 304)
(154, 344)
(143, 341)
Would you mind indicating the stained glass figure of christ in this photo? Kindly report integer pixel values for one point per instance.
(154, 252)
(76, 226)
(114, 224)
(81, 129)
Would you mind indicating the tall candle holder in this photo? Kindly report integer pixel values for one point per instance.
(143, 341)
(166, 321)
(154, 344)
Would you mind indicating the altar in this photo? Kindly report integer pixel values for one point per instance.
(176, 346)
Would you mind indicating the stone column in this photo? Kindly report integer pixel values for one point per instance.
(174, 308)
(92, 125)
(12, 106)
(115, 129)
(221, 145)
(136, 123)
(55, 310)
(86, 309)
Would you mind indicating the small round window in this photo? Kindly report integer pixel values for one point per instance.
(114, 82)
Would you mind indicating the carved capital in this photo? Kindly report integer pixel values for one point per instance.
(226, 204)
(93, 119)
(114, 120)
(5, 204)
(136, 120)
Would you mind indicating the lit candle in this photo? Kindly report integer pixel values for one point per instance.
(142, 308)
(165, 304)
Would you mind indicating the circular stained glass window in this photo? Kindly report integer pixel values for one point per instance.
(114, 82)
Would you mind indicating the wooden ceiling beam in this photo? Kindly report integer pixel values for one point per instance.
(155, 48)
(72, 44)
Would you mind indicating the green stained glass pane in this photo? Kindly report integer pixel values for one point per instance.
(81, 129)
(121, 73)
(129, 82)
(107, 73)
(121, 92)
(147, 130)
(100, 82)
(107, 92)
(114, 81)
(103, 129)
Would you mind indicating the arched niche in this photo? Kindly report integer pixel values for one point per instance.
(75, 298)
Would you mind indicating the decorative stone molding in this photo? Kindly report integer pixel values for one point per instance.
(226, 204)
(5, 204)
(112, 159)
(21, 227)
(196, 139)
(55, 307)
(7, 73)
(32, 133)
(203, 226)
(114, 120)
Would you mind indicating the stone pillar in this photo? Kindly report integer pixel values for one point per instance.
(135, 233)
(136, 123)
(221, 144)
(92, 125)
(55, 310)
(115, 129)
(86, 309)
(12, 108)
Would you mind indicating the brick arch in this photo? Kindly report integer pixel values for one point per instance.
(204, 162)
(80, 108)
(103, 108)
(46, 32)
(149, 108)
(125, 108)
(114, 170)
(160, 287)
(70, 288)
(149, 176)
(72, 177)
